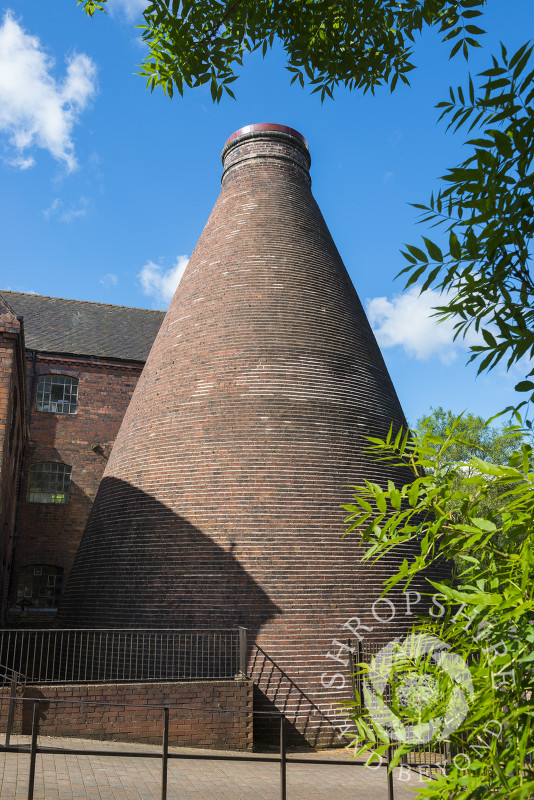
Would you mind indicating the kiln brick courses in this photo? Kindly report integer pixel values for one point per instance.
(221, 502)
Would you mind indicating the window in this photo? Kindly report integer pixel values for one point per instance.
(57, 393)
(39, 586)
(49, 482)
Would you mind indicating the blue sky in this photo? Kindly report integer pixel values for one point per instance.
(106, 187)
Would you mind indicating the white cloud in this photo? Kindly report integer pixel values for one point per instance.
(130, 8)
(109, 280)
(69, 214)
(406, 321)
(21, 162)
(161, 284)
(35, 109)
(53, 208)
(75, 212)
(23, 290)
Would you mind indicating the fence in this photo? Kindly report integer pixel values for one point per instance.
(433, 758)
(9, 676)
(282, 758)
(123, 655)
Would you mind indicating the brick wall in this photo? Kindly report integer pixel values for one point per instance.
(200, 712)
(12, 437)
(50, 533)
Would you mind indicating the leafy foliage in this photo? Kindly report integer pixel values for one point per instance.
(90, 6)
(328, 42)
(468, 435)
(489, 608)
(471, 509)
(487, 211)
(473, 436)
(471, 500)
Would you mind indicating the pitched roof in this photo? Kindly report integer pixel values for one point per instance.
(55, 325)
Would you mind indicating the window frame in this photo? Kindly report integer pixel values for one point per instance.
(43, 490)
(33, 585)
(45, 389)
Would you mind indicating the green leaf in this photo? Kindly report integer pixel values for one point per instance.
(483, 524)
(380, 501)
(454, 246)
(433, 250)
(519, 54)
(419, 254)
(489, 338)
(416, 274)
(395, 499)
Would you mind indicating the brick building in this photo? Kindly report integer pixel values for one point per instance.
(68, 370)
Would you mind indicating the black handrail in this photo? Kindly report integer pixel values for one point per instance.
(33, 748)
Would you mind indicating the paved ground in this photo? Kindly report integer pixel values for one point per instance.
(69, 777)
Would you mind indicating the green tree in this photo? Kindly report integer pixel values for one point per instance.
(484, 207)
(473, 436)
(475, 512)
(328, 42)
(474, 509)
(453, 441)
(488, 620)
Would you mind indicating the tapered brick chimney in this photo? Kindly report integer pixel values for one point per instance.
(221, 501)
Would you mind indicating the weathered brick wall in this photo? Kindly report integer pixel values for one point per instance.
(50, 533)
(221, 501)
(12, 429)
(214, 714)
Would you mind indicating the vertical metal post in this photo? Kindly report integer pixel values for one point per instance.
(390, 775)
(283, 759)
(447, 754)
(359, 682)
(11, 707)
(352, 668)
(33, 750)
(165, 754)
(242, 651)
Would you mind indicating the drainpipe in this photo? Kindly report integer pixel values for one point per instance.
(26, 436)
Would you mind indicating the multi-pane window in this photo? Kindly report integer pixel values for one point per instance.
(39, 586)
(57, 393)
(49, 482)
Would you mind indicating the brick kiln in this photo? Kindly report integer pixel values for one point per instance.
(220, 503)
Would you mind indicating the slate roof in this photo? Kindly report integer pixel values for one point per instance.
(55, 325)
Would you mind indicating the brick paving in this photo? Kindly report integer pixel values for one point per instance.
(69, 777)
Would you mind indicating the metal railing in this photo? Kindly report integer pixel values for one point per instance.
(282, 758)
(10, 678)
(123, 655)
(430, 758)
